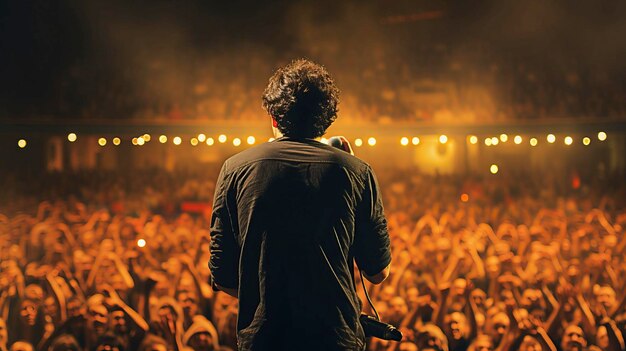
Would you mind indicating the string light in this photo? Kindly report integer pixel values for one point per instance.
(193, 141)
(371, 141)
(568, 140)
(495, 141)
(134, 141)
(210, 141)
(358, 142)
(493, 169)
(163, 139)
(251, 140)
(236, 141)
(551, 138)
(141, 242)
(586, 141)
(72, 137)
(221, 138)
(602, 136)
(116, 141)
(415, 140)
(141, 141)
(177, 140)
(201, 137)
(404, 141)
(473, 139)
(488, 141)
(443, 138)
(533, 141)
(21, 143)
(102, 141)
(504, 138)
(517, 139)
(146, 137)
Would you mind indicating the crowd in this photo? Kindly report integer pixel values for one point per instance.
(517, 263)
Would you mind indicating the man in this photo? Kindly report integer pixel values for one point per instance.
(288, 219)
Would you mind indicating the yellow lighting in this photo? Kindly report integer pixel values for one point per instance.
(551, 138)
(504, 138)
(488, 141)
(464, 197)
(586, 141)
(201, 137)
(324, 141)
(517, 140)
(21, 143)
(443, 139)
(415, 140)
(163, 139)
(358, 142)
(404, 141)
(134, 141)
(371, 141)
(116, 141)
(270, 139)
(72, 137)
(236, 141)
(568, 140)
(221, 138)
(602, 136)
(177, 140)
(533, 141)
(493, 169)
(193, 141)
(141, 141)
(495, 141)
(141, 243)
(473, 139)
(251, 140)
(102, 141)
(210, 141)
(146, 137)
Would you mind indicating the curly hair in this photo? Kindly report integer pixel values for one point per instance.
(302, 98)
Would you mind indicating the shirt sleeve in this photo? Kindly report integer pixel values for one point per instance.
(224, 261)
(372, 249)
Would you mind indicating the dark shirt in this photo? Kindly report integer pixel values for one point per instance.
(289, 217)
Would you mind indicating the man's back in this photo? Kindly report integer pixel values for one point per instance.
(297, 212)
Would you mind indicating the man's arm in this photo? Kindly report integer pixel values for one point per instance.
(378, 277)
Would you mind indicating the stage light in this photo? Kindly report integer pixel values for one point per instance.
(21, 143)
(415, 140)
(551, 138)
(134, 141)
(568, 140)
(464, 197)
(504, 138)
(177, 140)
(251, 140)
(210, 141)
(141, 243)
(116, 141)
(222, 138)
(602, 136)
(193, 141)
(488, 141)
(443, 139)
(141, 141)
(270, 139)
(371, 141)
(533, 141)
(72, 137)
(473, 139)
(236, 141)
(358, 142)
(493, 169)
(163, 139)
(201, 137)
(102, 141)
(586, 141)
(146, 137)
(495, 141)
(324, 140)
(404, 141)
(517, 140)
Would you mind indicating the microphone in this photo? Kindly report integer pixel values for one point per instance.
(380, 330)
(341, 143)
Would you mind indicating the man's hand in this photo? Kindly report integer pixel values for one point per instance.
(378, 277)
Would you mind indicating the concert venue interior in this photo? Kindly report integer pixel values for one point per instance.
(497, 131)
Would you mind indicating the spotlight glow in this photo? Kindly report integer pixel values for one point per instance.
(193, 141)
(533, 141)
(102, 141)
(146, 137)
(371, 141)
(488, 141)
(72, 137)
(236, 141)
(517, 140)
(210, 141)
(443, 138)
(163, 139)
(141, 243)
(324, 140)
(504, 138)
(117, 141)
(177, 140)
(222, 138)
(201, 137)
(602, 136)
(415, 140)
(495, 141)
(568, 140)
(270, 139)
(404, 141)
(493, 169)
(464, 197)
(473, 139)
(586, 141)
(21, 143)
(551, 138)
(251, 140)
(141, 141)
(358, 142)
(134, 141)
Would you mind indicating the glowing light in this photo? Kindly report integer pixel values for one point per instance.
(473, 139)
(495, 141)
(117, 141)
(371, 141)
(210, 141)
(324, 141)
(586, 141)
(415, 140)
(533, 141)
(236, 141)
(251, 140)
(72, 137)
(568, 140)
(270, 139)
(134, 141)
(517, 140)
(493, 169)
(551, 138)
(443, 139)
(21, 143)
(504, 138)
(404, 141)
(146, 137)
(141, 243)
(488, 141)
(602, 136)
(222, 138)
(358, 142)
(102, 141)
(177, 140)
(193, 141)
(201, 137)
(163, 139)
(141, 141)
(464, 197)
